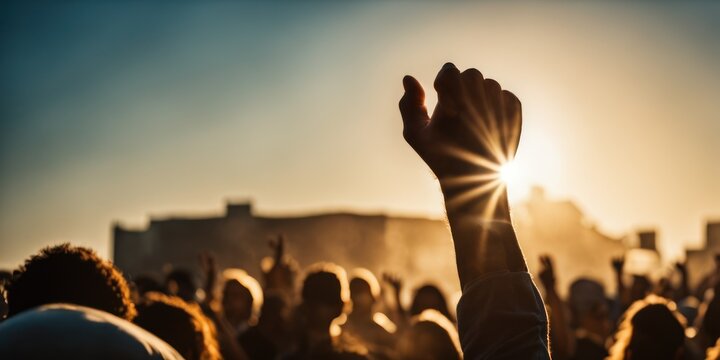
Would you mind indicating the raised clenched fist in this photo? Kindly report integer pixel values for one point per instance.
(474, 128)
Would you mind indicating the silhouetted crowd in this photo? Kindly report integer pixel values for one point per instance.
(661, 320)
(334, 315)
(230, 315)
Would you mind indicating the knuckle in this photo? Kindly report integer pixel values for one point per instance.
(472, 73)
(509, 94)
(492, 85)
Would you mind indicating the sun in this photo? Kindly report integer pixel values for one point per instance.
(493, 178)
(512, 176)
(509, 173)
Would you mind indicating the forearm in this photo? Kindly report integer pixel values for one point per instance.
(398, 304)
(482, 232)
(684, 287)
(622, 294)
(209, 287)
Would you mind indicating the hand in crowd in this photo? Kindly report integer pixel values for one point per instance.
(618, 263)
(209, 270)
(681, 267)
(547, 273)
(396, 284)
(394, 281)
(281, 274)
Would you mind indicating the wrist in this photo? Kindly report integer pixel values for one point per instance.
(483, 200)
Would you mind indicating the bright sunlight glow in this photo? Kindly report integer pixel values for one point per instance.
(509, 173)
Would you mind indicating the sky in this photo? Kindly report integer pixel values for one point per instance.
(118, 111)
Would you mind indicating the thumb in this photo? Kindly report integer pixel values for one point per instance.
(412, 106)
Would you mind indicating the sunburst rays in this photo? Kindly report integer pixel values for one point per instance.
(494, 174)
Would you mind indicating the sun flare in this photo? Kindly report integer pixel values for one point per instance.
(509, 173)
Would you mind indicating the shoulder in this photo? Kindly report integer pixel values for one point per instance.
(58, 330)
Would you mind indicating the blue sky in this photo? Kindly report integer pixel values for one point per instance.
(115, 111)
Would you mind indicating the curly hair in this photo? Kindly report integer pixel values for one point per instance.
(180, 324)
(69, 274)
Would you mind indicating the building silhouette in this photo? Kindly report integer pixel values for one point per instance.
(419, 249)
(701, 261)
(648, 240)
(410, 246)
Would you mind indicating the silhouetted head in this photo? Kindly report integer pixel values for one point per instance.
(5, 277)
(364, 291)
(324, 294)
(689, 309)
(710, 318)
(180, 283)
(241, 297)
(180, 324)
(142, 284)
(589, 307)
(664, 287)
(69, 274)
(640, 287)
(429, 297)
(275, 312)
(651, 329)
(430, 336)
(145, 283)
